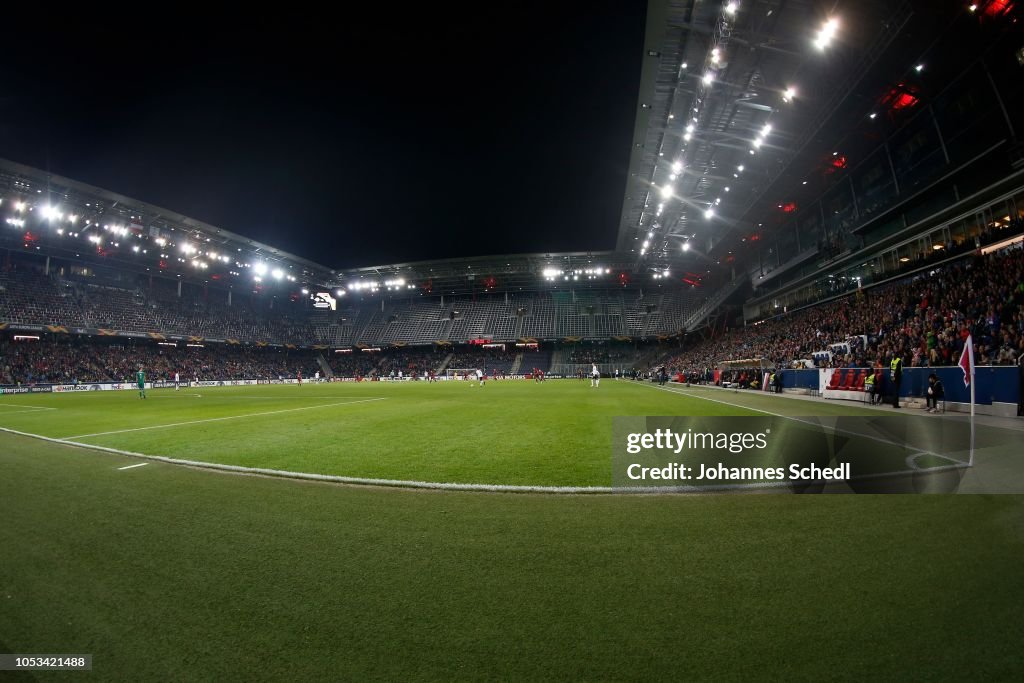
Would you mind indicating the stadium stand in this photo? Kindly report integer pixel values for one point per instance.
(925, 318)
(146, 306)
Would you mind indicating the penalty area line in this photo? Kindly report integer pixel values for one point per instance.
(131, 467)
(218, 419)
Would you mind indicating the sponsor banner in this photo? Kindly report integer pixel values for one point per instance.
(62, 388)
(98, 386)
(27, 328)
(42, 389)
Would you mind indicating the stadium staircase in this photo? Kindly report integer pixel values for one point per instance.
(444, 364)
(699, 315)
(514, 370)
(328, 373)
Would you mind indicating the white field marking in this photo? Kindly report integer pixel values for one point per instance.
(131, 467)
(451, 486)
(24, 405)
(310, 397)
(19, 412)
(218, 419)
(816, 424)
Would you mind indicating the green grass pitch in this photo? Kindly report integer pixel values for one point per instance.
(555, 433)
(174, 573)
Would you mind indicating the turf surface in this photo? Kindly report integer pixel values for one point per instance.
(557, 433)
(172, 573)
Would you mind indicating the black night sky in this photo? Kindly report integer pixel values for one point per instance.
(382, 136)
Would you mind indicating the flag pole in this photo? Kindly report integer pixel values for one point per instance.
(970, 339)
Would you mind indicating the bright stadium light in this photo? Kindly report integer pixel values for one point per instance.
(686, 246)
(767, 129)
(277, 273)
(826, 34)
(789, 94)
(708, 78)
(731, 7)
(677, 166)
(19, 206)
(666, 191)
(260, 269)
(709, 213)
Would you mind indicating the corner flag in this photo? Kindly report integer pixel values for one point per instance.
(967, 360)
(967, 365)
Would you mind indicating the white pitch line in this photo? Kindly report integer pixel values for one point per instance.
(218, 419)
(489, 488)
(24, 405)
(131, 467)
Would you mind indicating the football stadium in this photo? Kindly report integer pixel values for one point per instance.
(765, 424)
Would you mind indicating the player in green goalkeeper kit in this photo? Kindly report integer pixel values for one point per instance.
(140, 377)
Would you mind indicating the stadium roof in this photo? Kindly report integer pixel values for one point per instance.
(745, 106)
(64, 218)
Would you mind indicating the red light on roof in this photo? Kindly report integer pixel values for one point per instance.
(837, 162)
(901, 97)
(790, 207)
(996, 8)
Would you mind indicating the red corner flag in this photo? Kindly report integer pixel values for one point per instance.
(967, 360)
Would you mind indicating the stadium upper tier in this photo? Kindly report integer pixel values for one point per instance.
(56, 217)
(30, 299)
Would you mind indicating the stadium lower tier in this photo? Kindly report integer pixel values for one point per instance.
(56, 358)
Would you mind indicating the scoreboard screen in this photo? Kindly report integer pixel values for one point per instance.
(324, 301)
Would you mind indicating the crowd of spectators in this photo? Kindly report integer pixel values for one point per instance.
(420, 361)
(355, 364)
(599, 354)
(76, 360)
(488, 360)
(925, 319)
